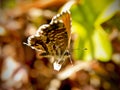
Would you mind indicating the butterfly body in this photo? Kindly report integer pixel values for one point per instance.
(53, 39)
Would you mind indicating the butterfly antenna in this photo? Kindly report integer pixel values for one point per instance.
(85, 49)
(80, 49)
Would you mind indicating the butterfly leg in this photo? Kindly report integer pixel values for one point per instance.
(68, 55)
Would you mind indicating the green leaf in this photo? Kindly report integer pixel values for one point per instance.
(108, 13)
(87, 17)
(102, 45)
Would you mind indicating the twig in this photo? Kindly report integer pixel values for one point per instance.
(73, 69)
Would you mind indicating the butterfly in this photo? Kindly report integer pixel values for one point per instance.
(53, 39)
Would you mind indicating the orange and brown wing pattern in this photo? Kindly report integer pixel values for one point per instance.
(66, 19)
(54, 38)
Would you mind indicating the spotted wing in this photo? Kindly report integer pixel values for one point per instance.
(37, 41)
(52, 38)
(66, 19)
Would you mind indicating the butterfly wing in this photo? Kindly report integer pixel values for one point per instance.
(52, 38)
(67, 21)
(37, 41)
(65, 18)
